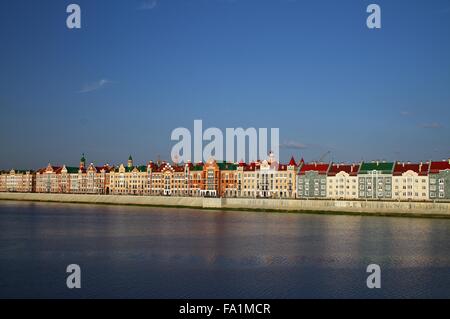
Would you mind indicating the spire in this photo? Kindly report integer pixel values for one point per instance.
(130, 162)
(292, 162)
(82, 161)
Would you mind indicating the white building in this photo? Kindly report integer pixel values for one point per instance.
(342, 181)
(410, 182)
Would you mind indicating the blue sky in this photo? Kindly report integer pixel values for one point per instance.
(138, 69)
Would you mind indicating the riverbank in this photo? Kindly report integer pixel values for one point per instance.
(375, 208)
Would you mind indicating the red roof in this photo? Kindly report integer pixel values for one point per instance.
(436, 167)
(421, 169)
(351, 169)
(107, 168)
(174, 167)
(250, 167)
(318, 167)
(292, 162)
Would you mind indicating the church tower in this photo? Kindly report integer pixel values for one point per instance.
(82, 162)
(130, 162)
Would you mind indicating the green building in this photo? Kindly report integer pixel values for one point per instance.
(375, 180)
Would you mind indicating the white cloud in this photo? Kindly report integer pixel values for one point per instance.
(293, 145)
(148, 5)
(94, 86)
(431, 125)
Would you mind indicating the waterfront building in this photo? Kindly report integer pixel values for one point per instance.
(375, 180)
(258, 179)
(47, 179)
(342, 181)
(174, 180)
(20, 181)
(227, 179)
(266, 179)
(439, 178)
(3, 175)
(312, 180)
(71, 180)
(211, 179)
(129, 180)
(196, 178)
(410, 181)
(97, 179)
(246, 179)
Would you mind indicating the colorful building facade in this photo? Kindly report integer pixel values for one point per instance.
(342, 181)
(21, 181)
(439, 179)
(410, 181)
(375, 180)
(258, 179)
(312, 180)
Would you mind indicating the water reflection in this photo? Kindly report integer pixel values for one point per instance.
(154, 252)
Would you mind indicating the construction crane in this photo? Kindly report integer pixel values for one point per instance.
(323, 156)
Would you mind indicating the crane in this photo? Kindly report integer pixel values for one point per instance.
(323, 156)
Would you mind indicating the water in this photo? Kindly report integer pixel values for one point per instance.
(140, 252)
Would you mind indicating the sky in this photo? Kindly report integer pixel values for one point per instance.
(136, 70)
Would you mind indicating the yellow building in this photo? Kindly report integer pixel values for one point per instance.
(20, 181)
(129, 180)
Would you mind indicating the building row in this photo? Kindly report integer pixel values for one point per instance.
(375, 180)
(259, 179)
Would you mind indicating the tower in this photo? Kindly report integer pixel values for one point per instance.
(130, 162)
(82, 162)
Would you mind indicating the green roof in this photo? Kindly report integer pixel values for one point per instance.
(225, 166)
(142, 168)
(197, 168)
(72, 170)
(384, 167)
(130, 158)
(82, 158)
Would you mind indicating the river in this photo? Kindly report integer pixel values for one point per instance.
(142, 252)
